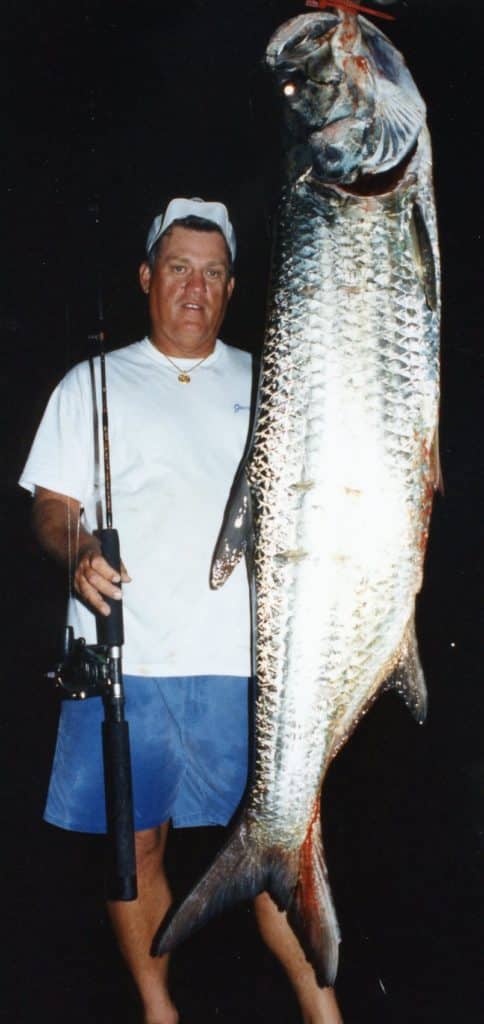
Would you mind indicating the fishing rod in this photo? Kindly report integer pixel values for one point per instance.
(95, 670)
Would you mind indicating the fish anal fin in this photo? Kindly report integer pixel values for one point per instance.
(310, 911)
(235, 536)
(407, 677)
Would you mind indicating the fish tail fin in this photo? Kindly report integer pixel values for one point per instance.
(311, 912)
(296, 880)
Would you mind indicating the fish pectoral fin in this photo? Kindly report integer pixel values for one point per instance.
(424, 256)
(310, 912)
(235, 538)
(407, 677)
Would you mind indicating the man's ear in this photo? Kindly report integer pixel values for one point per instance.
(230, 287)
(145, 277)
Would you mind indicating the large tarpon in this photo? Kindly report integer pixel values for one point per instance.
(332, 503)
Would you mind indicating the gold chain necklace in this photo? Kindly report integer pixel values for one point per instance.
(183, 376)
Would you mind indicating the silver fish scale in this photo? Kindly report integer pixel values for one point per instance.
(341, 477)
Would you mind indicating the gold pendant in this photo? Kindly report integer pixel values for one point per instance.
(184, 378)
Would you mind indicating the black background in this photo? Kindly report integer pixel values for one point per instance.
(125, 105)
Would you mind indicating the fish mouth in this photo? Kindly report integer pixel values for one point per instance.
(300, 53)
(300, 38)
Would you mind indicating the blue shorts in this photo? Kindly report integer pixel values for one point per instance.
(189, 754)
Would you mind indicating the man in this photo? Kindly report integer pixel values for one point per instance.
(178, 412)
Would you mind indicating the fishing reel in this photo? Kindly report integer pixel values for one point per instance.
(85, 669)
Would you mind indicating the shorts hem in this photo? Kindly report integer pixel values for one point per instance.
(98, 830)
(71, 826)
(201, 820)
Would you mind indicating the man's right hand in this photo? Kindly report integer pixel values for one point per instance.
(94, 579)
(56, 523)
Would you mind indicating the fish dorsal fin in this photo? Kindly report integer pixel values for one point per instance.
(235, 538)
(407, 677)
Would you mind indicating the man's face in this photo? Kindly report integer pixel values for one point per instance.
(188, 290)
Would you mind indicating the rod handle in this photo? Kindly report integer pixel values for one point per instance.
(121, 857)
(110, 629)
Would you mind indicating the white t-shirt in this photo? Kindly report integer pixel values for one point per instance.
(174, 452)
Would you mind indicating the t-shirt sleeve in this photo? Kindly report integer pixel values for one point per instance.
(62, 456)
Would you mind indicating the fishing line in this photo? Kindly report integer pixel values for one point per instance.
(350, 8)
(95, 670)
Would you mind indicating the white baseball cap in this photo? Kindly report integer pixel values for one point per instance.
(179, 208)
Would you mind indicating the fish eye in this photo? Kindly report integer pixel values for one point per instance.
(289, 89)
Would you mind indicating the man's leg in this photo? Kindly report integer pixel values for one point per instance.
(318, 1005)
(136, 922)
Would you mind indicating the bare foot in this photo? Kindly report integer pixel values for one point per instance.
(321, 1007)
(164, 1012)
(161, 1010)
